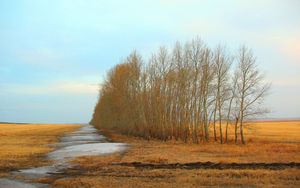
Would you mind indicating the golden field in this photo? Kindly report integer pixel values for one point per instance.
(25, 145)
(268, 142)
(275, 131)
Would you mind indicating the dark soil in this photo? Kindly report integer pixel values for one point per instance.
(210, 165)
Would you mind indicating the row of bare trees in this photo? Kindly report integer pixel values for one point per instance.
(186, 93)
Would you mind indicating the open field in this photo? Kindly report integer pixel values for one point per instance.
(274, 142)
(271, 142)
(24, 145)
(275, 131)
(131, 177)
(162, 164)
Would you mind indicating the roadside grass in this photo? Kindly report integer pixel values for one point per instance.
(25, 145)
(116, 176)
(272, 142)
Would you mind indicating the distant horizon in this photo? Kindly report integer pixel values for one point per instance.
(255, 119)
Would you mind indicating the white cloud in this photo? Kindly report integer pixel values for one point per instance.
(289, 81)
(42, 56)
(66, 87)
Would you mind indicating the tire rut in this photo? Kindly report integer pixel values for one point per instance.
(211, 165)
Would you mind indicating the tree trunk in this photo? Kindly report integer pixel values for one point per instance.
(235, 130)
(226, 132)
(241, 131)
(220, 124)
(215, 134)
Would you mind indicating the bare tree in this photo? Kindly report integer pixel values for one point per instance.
(222, 65)
(251, 89)
(179, 93)
(232, 96)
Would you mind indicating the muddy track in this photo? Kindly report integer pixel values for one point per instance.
(210, 165)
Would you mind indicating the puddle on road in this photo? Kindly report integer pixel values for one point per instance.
(84, 142)
(85, 149)
(7, 183)
(80, 137)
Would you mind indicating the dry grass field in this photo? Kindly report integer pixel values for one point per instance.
(24, 145)
(268, 142)
(275, 131)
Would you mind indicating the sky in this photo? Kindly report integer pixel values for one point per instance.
(55, 53)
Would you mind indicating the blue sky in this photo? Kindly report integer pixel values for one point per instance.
(54, 53)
